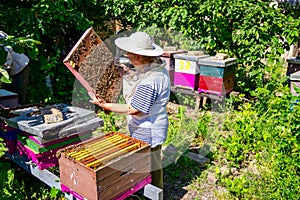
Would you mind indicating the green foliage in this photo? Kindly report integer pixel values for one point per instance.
(109, 121)
(15, 186)
(4, 76)
(181, 129)
(3, 149)
(262, 147)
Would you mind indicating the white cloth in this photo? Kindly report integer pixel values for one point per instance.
(15, 62)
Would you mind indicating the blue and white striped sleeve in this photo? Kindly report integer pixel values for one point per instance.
(144, 98)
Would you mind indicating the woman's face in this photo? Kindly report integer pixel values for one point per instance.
(138, 60)
(133, 58)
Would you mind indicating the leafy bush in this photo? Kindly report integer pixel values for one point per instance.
(3, 149)
(262, 149)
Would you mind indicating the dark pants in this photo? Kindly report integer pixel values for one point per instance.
(156, 167)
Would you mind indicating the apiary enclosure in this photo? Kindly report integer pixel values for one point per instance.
(104, 167)
(92, 63)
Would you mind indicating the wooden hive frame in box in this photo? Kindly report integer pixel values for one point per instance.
(92, 63)
(105, 167)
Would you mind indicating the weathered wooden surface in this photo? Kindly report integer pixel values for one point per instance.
(31, 121)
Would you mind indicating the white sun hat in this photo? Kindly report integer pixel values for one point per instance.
(139, 43)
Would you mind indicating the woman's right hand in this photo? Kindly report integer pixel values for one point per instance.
(97, 100)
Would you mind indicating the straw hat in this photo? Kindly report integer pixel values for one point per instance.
(139, 43)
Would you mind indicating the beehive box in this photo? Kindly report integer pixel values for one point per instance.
(187, 69)
(9, 135)
(44, 156)
(293, 65)
(8, 99)
(30, 120)
(104, 167)
(92, 63)
(168, 57)
(216, 76)
(295, 83)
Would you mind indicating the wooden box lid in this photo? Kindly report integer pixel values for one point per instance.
(5, 94)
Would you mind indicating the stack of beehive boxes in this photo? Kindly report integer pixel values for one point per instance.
(216, 75)
(39, 141)
(187, 69)
(168, 57)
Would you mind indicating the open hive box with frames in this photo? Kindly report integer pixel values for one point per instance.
(105, 167)
(92, 63)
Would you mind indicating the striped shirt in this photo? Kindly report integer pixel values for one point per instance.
(144, 98)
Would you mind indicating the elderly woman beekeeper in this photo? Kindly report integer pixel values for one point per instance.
(146, 91)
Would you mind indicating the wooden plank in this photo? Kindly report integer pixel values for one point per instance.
(184, 90)
(127, 181)
(44, 175)
(142, 166)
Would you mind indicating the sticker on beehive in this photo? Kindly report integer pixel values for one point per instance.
(92, 63)
(186, 66)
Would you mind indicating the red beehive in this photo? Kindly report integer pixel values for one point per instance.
(216, 76)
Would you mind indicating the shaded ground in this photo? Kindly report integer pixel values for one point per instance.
(179, 176)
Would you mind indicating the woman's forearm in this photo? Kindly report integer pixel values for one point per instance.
(114, 107)
(120, 108)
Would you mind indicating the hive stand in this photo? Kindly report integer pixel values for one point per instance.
(52, 180)
(200, 98)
